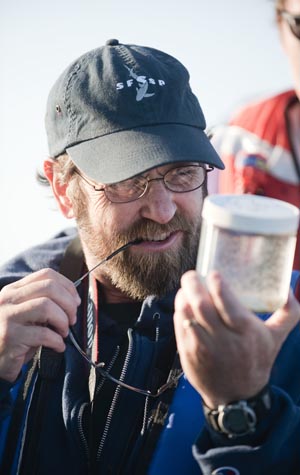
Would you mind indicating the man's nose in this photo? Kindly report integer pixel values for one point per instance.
(158, 203)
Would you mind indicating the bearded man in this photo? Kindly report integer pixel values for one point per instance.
(88, 354)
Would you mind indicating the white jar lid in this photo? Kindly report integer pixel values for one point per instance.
(251, 214)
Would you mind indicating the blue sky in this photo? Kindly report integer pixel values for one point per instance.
(231, 49)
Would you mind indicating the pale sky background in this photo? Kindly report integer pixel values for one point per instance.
(230, 47)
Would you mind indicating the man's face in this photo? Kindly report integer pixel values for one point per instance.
(167, 222)
(291, 43)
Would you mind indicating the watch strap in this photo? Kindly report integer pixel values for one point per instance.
(254, 410)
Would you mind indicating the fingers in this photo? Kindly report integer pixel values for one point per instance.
(43, 312)
(237, 317)
(35, 311)
(45, 275)
(35, 336)
(182, 315)
(200, 306)
(215, 305)
(231, 311)
(21, 348)
(191, 336)
(46, 284)
(45, 294)
(284, 320)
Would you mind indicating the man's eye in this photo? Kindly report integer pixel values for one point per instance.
(127, 185)
(186, 172)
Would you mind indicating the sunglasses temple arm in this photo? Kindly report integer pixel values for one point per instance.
(122, 248)
(103, 373)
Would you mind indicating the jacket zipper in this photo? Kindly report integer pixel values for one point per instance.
(146, 418)
(109, 367)
(79, 418)
(81, 431)
(116, 395)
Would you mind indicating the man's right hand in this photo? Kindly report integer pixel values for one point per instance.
(34, 311)
(227, 353)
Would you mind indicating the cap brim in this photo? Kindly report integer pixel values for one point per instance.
(121, 155)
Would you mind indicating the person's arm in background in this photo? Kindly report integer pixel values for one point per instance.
(255, 148)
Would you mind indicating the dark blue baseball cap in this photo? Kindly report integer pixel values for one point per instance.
(120, 110)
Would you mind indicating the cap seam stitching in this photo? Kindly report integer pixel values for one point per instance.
(67, 96)
(67, 99)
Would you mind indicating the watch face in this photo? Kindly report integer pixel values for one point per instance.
(237, 419)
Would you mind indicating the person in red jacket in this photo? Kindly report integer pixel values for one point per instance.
(261, 144)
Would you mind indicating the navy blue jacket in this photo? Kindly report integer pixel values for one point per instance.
(186, 445)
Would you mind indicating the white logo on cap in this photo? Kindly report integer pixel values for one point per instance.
(142, 84)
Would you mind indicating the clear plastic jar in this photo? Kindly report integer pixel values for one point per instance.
(251, 241)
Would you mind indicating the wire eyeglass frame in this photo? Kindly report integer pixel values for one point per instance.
(145, 181)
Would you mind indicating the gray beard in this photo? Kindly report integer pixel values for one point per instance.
(152, 274)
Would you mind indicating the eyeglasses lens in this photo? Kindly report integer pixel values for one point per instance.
(178, 180)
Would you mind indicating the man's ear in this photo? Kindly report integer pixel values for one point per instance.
(59, 189)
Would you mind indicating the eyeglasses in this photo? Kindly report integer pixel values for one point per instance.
(99, 366)
(178, 180)
(293, 22)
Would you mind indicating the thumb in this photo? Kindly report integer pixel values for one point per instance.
(284, 319)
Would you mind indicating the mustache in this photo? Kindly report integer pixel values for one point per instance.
(145, 229)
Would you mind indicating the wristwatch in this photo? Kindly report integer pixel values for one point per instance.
(239, 418)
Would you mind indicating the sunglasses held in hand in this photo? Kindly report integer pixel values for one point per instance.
(99, 366)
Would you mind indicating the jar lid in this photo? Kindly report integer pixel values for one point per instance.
(251, 214)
